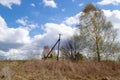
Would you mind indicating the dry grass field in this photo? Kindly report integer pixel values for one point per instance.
(58, 70)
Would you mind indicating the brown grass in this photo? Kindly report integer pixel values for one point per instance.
(60, 70)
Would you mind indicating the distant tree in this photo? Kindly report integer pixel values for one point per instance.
(65, 53)
(46, 51)
(73, 46)
(98, 33)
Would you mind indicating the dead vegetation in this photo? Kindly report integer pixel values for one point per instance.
(59, 70)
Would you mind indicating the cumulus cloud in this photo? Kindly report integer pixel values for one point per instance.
(2, 23)
(73, 20)
(106, 2)
(12, 37)
(9, 3)
(114, 17)
(52, 30)
(50, 3)
(49, 37)
(15, 54)
(15, 43)
(25, 23)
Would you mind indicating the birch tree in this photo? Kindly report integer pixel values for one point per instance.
(98, 33)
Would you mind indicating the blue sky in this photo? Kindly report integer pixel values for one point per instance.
(32, 24)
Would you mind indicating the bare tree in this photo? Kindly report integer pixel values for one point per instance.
(65, 53)
(70, 46)
(73, 46)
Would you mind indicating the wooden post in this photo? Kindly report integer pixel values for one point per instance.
(58, 47)
(58, 42)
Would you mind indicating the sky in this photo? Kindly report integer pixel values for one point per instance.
(26, 26)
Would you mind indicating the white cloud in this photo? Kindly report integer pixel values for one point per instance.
(73, 20)
(22, 21)
(15, 43)
(106, 2)
(9, 3)
(12, 41)
(18, 35)
(55, 29)
(52, 30)
(32, 4)
(49, 37)
(2, 23)
(25, 23)
(50, 3)
(114, 17)
(12, 37)
(15, 54)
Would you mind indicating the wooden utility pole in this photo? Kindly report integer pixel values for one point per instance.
(58, 42)
(58, 47)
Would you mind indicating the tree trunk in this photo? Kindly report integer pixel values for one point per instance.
(98, 53)
(97, 49)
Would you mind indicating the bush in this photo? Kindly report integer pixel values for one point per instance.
(79, 56)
